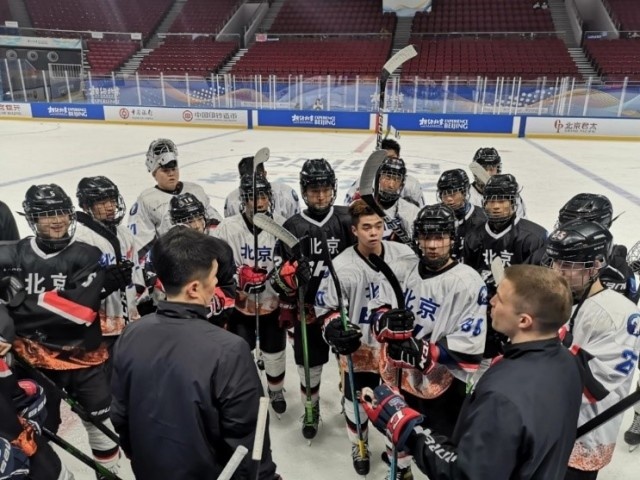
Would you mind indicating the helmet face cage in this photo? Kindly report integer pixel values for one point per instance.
(393, 169)
(318, 173)
(106, 207)
(157, 151)
(499, 216)
(450, 183)
(488, 157)
(263, 191)
(435, 222)
(46, 225)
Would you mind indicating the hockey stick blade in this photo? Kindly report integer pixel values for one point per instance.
(407, 53)
(260, 157)
(497, 270)
(479, 171)
(269, 225)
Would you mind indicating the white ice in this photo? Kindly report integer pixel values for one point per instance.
(551, 171)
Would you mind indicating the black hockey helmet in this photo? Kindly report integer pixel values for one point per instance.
(435, 219)
(185, 208)
(395, 168)
(49, 200)
(588, 206)
(452, 181)
(318, 172)
(95, 189)
(488, 157)
(245, 167)
(580, 241)
(500, 187)
(390, 144)
(263, 187)
(161, 152)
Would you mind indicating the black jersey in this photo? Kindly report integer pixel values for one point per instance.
(472, 220)
(337, 227)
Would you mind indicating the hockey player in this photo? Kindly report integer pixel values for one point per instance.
(187, 210)
(318, 186)
(55, 317)
(254, 295)
(8, 227)
(604, 332)
(490, 160)
(453, 191)
(285, 199)
(360, 282)
(504, 235)
(520, 420)
(411, 191)
(632, 436)
(149, 215)
(99, 225)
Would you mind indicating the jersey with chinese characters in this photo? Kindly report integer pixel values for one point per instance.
(285, 201)
(472, 220)
(119, 307)
(149, 216)
(450, 308)
(360, 282)
(475, 197)
(238, 233)
(337, 229)
(607, 330)
(412, 192)
(56, 323)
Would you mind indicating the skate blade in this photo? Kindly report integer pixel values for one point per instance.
(632, 448)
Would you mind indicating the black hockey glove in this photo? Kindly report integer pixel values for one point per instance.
(345, 342)
(12, 291)
(392, 324)
(411, 353)
(117, 277)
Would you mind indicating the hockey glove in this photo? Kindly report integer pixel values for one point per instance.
(344, 341)
(117, 277)
(12, 291)
(31, 404)
(290, 275)
(390, 414)
(410, 353)
(288, 314)
(14, 462)
(252, 280)
(392, 324)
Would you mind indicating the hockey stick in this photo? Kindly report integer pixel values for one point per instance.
(75, 406)
(84, 458)
(285, 236)
(233, 463)
(366, 187)
(261, 428)
(259, 158)
(362, 448)
(388, 68)
(609, 413)
(479, 172)
(385, 269)
(497, 270)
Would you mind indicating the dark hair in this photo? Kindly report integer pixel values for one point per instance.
(390, 144)
(182, 255)
(357, 209)
(542, 293)
(245, 167)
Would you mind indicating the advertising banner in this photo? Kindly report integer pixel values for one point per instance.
(582, 127)
(313, 119)
(218, 118)
(67, 111)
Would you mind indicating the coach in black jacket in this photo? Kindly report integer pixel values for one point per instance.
(520, 421)
(185, 392)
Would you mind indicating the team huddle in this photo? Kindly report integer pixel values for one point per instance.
(403, 295)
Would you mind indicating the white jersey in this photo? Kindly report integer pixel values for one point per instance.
(285, 201)
(412, 192)
(450, 311)
(475, 198)
(360, 282)
(607, 326)
(236, 233)
(149, 216)
(113, 318)
(402, 212)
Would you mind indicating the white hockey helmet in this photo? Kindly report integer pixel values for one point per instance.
(161, 152)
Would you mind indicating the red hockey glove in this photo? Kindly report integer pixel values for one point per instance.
(288, 314)
(290, 275)
(394, 324)
(410, 353)
(344, 341)
(390, 414)
(251, 280)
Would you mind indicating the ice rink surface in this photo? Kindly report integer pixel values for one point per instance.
(550, 172)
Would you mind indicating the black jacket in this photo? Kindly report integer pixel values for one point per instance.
(519, 423)
(185, 395)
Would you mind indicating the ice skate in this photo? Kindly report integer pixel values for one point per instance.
(632, 436)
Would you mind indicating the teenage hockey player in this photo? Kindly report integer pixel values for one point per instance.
(149, 215)
(603, 332)
(504, 235)
(186, 393)
(509, 427)
(632, 436)
(490, 160)
(8, 227)
(187, 210)
(411, 191)
(56, 319)
(238, 231)
(99, 225)
(318, 186)
(285, 199)
(360, 282)
(453, 191)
